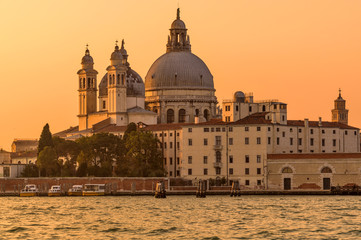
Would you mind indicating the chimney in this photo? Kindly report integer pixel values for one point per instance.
(306, 122)
(320, 121)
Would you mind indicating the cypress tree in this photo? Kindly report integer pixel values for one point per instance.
(45, 139)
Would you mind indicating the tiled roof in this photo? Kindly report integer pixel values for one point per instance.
(23, 154)
(256, 118)
(314, 155)
(301, 123)
(111, 128)
(63, 133)
(164, 126)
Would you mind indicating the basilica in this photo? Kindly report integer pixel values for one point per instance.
(241, 139)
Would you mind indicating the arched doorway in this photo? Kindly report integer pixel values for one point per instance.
(287, 180)
(182, 115)
(170, 116)
(326, 180)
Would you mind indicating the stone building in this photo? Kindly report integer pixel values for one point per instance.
(179, 86)
(24, 145)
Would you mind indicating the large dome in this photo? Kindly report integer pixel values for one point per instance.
(178, 70)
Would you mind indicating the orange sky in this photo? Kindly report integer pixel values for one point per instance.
(299, 52)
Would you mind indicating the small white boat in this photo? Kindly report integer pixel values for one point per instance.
(76, 190)
(29, 190)
(94, 190)
(55, 190)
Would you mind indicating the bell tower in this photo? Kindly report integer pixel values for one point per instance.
(178, 40)
(117, 85)
(340, 113)
(87, 89)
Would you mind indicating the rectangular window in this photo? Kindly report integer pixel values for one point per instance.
(178, 145)
(218, 140)
(323, 142)
(218, 171)
(171, 145)
(278, 141)
(230, 129)
(291, 130)
(300, 141)
(165, 134)
(190, 142)
(165, 161)
(311, 141)
(259, 182)
(189, 159)
(230, 141)
(334, 142)
(323, 131)
(246, 129)
(246, 159)
(258, 140)
(246, 140)
(218, 129)
(205, 141)
(104, 104)
(165, 145)
(278, 129)
(269, 129)
(231, 171)
(258, 158)
(205, 159)
(178, 173)
(170, 173)
(224, 129)
(345, 132)
(189, 129)
(333, 131)
(246, 182)
(283, 134)
(291, 141)
(246, 171)
(205, 171)
(170, 134)
(171, 161)
(230, 159)
(258, 171)
(250, 108)
(269, 140)
(205, 129)
(258, 129)
(300, 130)
(178, 160)
(189, 171)
(311, 131)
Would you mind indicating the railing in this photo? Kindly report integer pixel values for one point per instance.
(217, 147)
(217, 164)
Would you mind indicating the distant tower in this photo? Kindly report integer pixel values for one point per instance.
(87, 89)
(340, 113)
(117, 85)
(178, 39)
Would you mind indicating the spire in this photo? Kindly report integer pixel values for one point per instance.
(339, 92)
(178, 39)
(178, 13)
(87, 53)
(116, 45)
(122, 43)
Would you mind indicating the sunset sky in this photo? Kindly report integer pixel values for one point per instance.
(299, 52)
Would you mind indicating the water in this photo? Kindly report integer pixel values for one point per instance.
(181, 217)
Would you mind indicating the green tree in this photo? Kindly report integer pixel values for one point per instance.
(30, 170)
(48, 163)
(67, 153)
(143, 157)
(45, 139)
(132, 127)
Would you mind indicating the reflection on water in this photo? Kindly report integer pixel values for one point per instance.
(181, 217)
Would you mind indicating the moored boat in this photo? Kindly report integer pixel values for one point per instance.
(29, 190)
(76, 190)
(94, 190)
(55, 190)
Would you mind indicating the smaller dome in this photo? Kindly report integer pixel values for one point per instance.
(238, 96)
(178, 24)
(87, 59)
(116, 55)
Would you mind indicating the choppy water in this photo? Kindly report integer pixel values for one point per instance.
(181, 217)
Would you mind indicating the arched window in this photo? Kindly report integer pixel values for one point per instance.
(206, 114)
(89, 83)
(287, 170)
(118, 79)
(122, 79)
(263, 108)
(110, 79)
(113, 79)
(170, 116)
(182, 115)
(326, 170)
(218, 156)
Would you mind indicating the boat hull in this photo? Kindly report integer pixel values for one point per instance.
(93, 193)
(75, 194)
(53, 194)
(28, 194)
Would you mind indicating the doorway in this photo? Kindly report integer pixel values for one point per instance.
(287, 184)
(326, 183)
